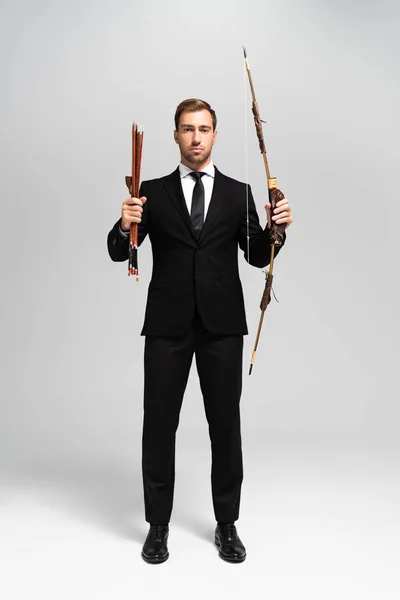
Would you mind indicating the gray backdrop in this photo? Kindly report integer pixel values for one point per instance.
(74, 76)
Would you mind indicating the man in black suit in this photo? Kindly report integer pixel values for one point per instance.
(195, 218)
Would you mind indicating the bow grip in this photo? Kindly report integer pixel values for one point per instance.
(274, 195)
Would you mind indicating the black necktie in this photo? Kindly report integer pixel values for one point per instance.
(197, 209)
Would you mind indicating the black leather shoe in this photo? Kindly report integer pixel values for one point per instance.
(155, 549)
(230, 547)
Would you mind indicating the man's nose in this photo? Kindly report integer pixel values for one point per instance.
(196, 136)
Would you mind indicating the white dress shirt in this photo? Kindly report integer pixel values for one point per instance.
(188, 184)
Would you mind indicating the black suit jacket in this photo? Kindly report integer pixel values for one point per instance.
(190, 271)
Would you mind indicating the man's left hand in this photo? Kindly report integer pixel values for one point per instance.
(282, 214)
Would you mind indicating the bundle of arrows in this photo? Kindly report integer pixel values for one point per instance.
(133, 184)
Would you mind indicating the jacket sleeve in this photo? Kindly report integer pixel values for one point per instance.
(118, 242)
(259, 241)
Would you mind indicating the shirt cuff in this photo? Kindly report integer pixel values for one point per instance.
(123, 234)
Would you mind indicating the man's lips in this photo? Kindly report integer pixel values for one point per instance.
(196, 148)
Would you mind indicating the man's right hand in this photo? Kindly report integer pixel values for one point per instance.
(132, 212)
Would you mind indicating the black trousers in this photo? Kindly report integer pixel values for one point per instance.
(167, 362)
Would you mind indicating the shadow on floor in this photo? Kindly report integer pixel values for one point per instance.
(106, 494)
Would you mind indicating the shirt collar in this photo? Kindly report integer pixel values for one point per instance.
(209, 170)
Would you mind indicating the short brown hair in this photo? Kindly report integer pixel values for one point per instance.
(194, 105)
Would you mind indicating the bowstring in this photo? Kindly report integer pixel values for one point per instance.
(246, 163)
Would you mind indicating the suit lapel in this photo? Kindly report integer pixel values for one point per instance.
(215, 206)
(173, 187)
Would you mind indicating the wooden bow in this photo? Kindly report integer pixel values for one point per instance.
(276, 231)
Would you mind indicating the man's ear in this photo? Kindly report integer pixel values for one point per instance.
(215, 137)
(176, 136)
